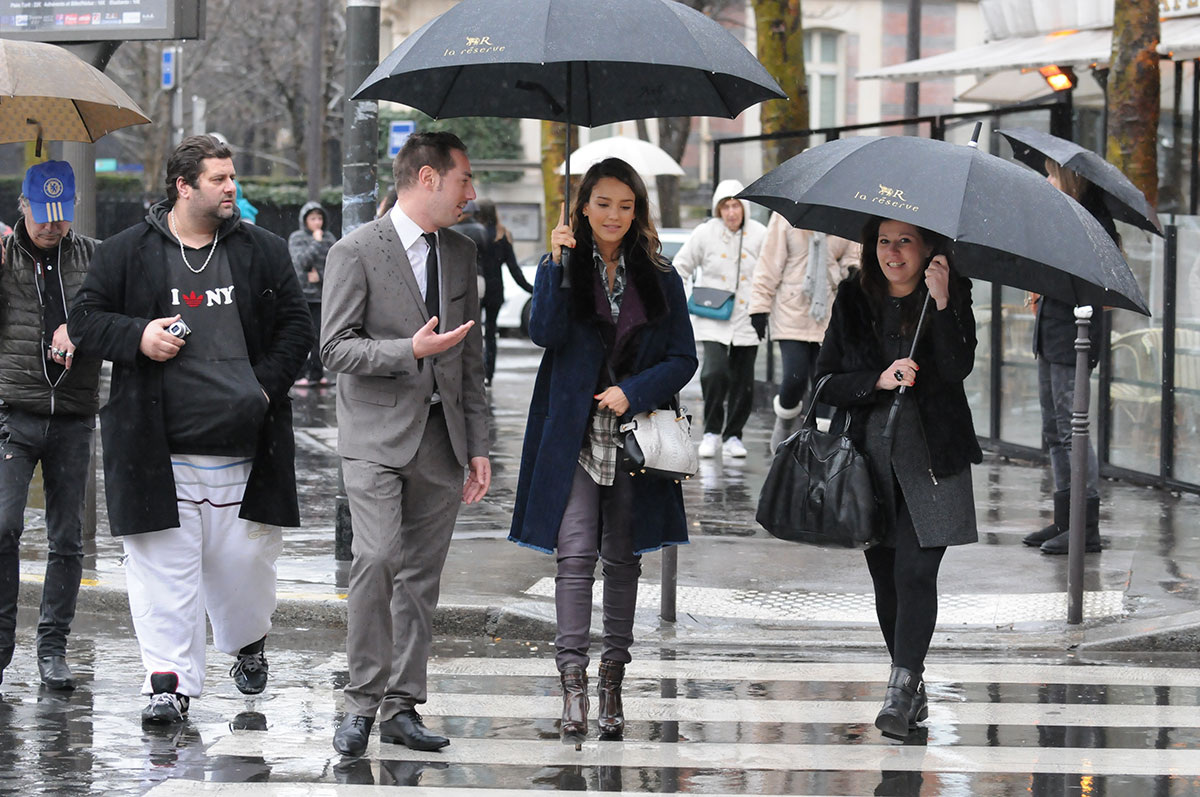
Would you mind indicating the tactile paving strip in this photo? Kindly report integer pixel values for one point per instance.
(849, 607)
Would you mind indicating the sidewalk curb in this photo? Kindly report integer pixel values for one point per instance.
(451, 619)
(534, 620)
(1176, 633)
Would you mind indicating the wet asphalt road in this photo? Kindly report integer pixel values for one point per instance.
(701, 720)
(709, 712)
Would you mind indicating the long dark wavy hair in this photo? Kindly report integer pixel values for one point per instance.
(641, 241)
(875, 284)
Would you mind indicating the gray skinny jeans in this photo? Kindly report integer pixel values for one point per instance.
(595, 525)
(1056, 394)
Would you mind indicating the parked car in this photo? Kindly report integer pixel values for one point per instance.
(513, 318)
(673, 239)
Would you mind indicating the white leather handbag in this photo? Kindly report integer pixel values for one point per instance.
(659, 443)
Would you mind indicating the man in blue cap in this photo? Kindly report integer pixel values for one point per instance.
(48, 402)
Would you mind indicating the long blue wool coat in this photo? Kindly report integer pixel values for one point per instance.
(656, 356)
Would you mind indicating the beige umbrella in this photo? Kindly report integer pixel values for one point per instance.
(49, 93)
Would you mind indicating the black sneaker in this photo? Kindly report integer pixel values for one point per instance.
(249, 672)
(166, 705)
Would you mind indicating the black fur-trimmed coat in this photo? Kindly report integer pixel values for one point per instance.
(853, 354)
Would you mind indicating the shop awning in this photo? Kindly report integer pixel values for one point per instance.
(1078, 49)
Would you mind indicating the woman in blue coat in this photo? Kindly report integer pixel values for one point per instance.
(618, 309)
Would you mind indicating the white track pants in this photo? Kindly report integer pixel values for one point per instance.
(215, 562)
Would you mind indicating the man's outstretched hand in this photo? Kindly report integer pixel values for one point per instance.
(426, 342)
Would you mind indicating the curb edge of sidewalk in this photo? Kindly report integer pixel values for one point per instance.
(534, 620)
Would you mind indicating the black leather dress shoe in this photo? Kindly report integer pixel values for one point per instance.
(407, 729)
(352, 734)
(55, 672)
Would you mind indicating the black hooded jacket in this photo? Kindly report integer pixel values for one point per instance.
(125, 289)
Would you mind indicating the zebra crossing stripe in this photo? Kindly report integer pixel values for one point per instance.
(653, 709)
(700, 755)
(1019, 672)
(189, 788)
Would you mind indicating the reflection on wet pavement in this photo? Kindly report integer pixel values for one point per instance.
(704, 720)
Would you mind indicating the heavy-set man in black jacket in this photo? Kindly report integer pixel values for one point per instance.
(198, 448)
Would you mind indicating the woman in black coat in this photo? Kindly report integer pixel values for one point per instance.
(923, 478)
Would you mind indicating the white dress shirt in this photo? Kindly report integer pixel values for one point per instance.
(417, 250)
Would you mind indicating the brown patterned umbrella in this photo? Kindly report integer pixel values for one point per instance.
(49, 93)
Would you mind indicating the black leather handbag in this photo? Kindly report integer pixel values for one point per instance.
(819, 490)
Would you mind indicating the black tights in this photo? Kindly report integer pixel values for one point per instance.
(906, 600)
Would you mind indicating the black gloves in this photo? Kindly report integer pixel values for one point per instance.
(759, 322)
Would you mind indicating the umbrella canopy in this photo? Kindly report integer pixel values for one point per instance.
(1007, 224)
(576, 61)
(1122, 198)
(49, 93)
(645, 158)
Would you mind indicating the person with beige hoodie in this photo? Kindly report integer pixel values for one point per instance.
(795, 301)
(721, 254)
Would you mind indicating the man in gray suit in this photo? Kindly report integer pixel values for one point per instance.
(401, 310)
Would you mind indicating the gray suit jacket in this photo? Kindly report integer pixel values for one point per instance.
(371, 307)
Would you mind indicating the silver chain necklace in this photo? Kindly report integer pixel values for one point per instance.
(175, 232)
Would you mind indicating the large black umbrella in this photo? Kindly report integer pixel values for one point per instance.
(1122, 198)
(1006, 224)
(578, 61)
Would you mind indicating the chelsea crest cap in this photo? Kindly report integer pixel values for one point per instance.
(50, 189)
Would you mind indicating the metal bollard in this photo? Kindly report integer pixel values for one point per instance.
(670, 578)
(1079, 466)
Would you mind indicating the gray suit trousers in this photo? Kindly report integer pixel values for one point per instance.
(403, 519)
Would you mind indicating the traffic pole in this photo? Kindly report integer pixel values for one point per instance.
(82, 157)
(1076, 535)
(360, 162)
(359, 180)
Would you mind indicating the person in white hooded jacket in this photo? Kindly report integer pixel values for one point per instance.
(721, 254)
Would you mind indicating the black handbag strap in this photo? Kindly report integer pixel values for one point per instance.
(810, 420)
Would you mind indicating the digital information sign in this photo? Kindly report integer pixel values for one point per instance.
(101, 20)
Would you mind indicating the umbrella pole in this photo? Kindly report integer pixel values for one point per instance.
(1079, 467)
(890, 427)
(566, 253)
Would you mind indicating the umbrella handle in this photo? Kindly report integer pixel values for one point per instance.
(37, 150)
(890, 427)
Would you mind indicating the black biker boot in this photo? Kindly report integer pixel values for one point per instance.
(920, 706)
(902, 688)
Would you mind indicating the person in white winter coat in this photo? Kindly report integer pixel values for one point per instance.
(795, 301)
(721, 253)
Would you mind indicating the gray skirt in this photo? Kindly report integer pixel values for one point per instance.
(942, 507)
